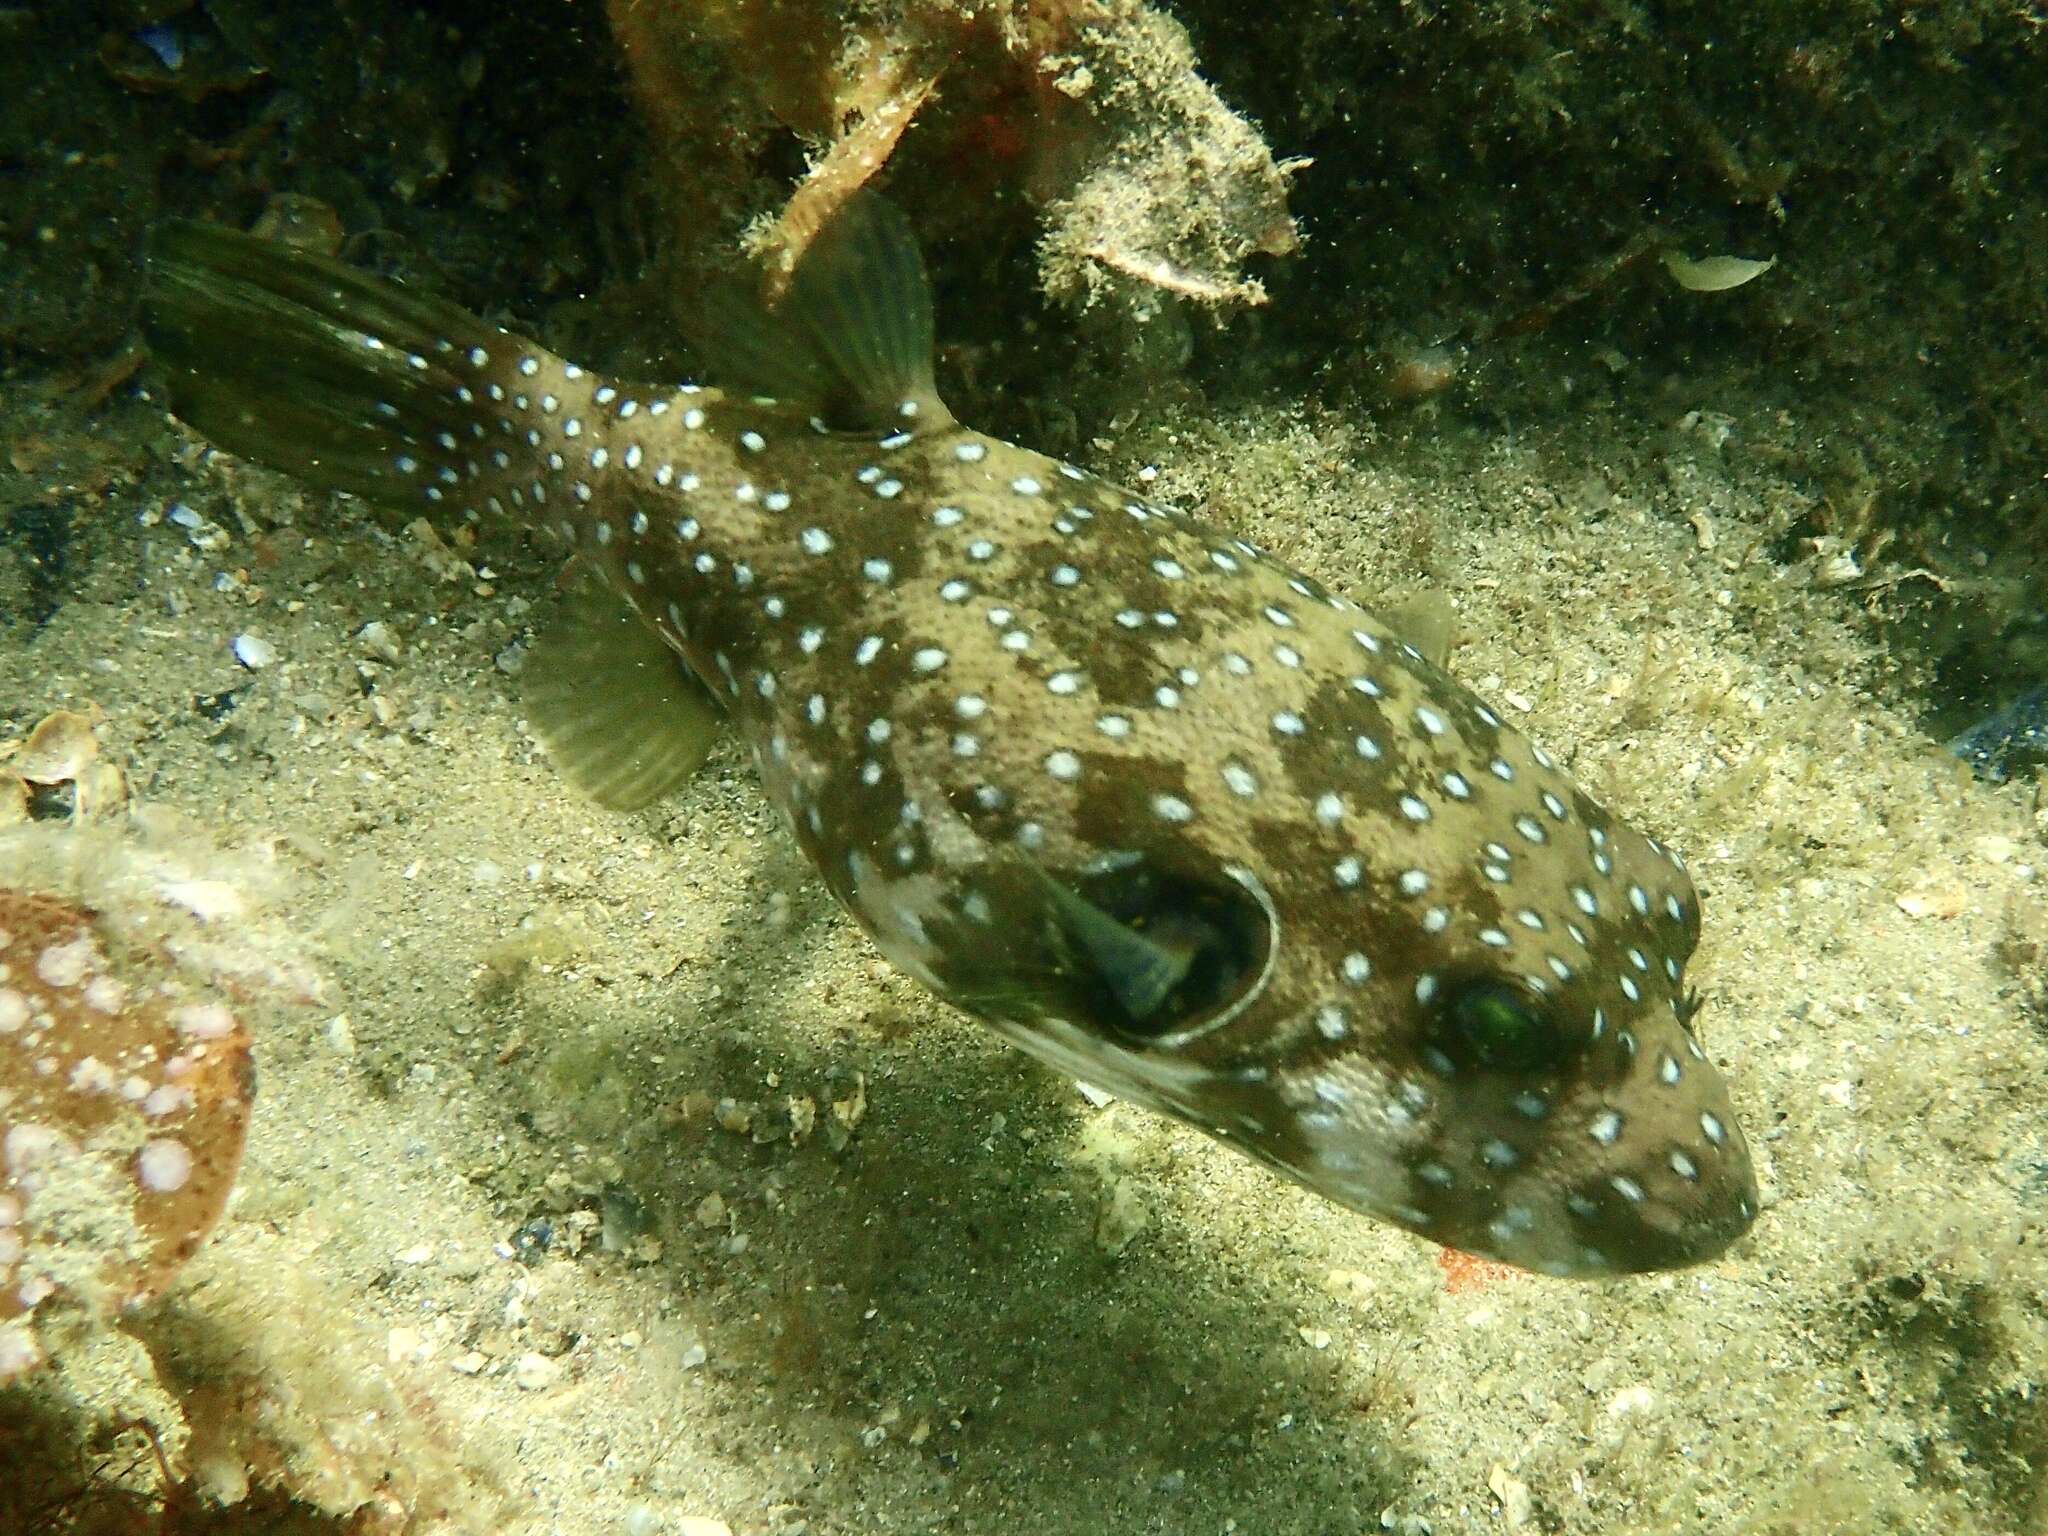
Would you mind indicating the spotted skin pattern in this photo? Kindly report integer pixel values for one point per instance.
(963, 666)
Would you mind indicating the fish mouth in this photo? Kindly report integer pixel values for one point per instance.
(1657, 1239)
(1631, 1217)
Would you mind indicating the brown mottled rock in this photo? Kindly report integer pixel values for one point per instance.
(124, 1099)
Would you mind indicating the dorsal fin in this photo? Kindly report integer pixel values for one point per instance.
(851, 338)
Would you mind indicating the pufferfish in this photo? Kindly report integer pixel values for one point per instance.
(1157, 808)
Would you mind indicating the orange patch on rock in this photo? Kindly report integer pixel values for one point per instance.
(1465, 1273)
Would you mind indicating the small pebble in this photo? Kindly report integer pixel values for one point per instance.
(253, 652)
(532, 1241)
(534, 1373)
(379, 640)
(1632, 1399)
(1517, 1509)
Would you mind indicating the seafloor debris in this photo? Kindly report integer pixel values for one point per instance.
(2010, 742)
(169, 58)
(124, 1095)
(61, 751)
(1091, 109)
(1714, 274)
(124, 1098)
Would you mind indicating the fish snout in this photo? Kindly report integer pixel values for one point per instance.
(1630, 1188)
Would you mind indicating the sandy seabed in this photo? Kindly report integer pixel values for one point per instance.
(615, 1184)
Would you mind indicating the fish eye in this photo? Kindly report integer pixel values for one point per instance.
(1489, 1025)
(1152, 953)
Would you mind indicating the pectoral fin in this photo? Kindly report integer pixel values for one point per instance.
(620, 715)
(1140, 971)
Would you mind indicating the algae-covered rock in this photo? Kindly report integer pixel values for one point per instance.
(1094, 112)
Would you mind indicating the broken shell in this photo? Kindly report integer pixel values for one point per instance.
(101, 788)
(1714, 274)
(58, 749)
(253, 652)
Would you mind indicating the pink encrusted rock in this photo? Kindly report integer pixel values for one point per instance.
(124, 1099)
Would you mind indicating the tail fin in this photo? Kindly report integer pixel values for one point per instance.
(342, 379)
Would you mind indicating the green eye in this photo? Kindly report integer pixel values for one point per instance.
(1491, 1026)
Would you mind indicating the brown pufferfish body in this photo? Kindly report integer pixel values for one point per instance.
(1157, 808)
